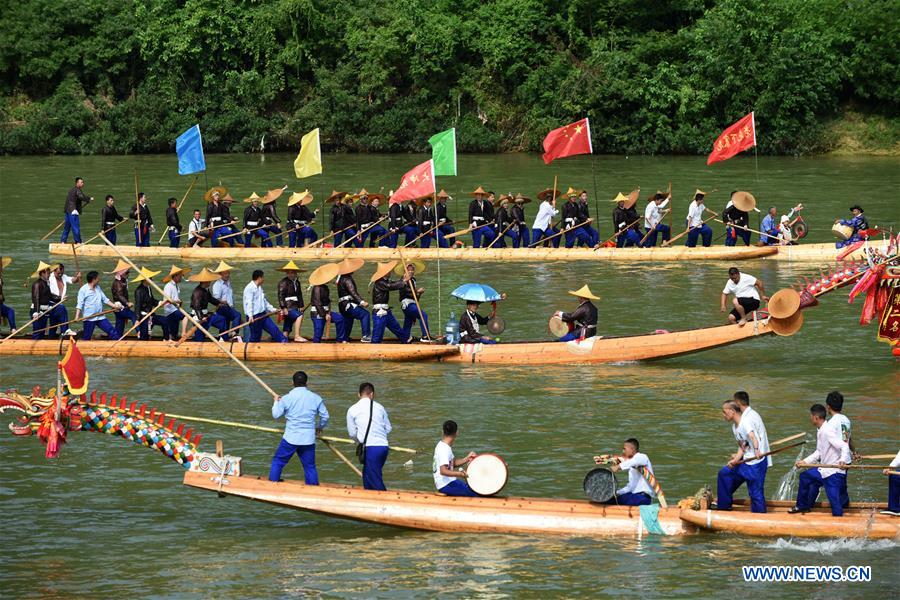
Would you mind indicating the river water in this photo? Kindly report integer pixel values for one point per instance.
(112, 518)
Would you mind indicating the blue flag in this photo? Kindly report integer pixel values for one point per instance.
(189, 147)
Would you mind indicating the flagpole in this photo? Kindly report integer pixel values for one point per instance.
(593, 172)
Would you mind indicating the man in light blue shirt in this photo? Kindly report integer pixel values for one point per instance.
(300, 409)
(256, 307)
(89, 306)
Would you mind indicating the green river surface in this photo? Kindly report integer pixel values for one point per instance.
(110, 518)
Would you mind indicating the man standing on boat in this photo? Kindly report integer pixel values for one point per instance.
(305, 417)
(584, 319)
(736, 223)
(831, 449)
(448, 479)
(109, 218)
(6, 312)
(744, 466)
(410, 303)
(41, 300)
(59, 287)
(75, 203)
(173, 224)
(143, 222)
(517, 215)
(747, 290)
(481, 214)
(584, 217)
(256, 309)
(542, 226)
(638, 491)
(369, 425)
(625, 218)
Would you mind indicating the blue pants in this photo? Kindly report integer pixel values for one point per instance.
(343, 237)
(73, 224)
(56, 316)
(660, 228)
(283, 454)
(704, 230)
(219, 232)
(571, 336)
(256, 328)
(275, 234)
(359, 314)
(811, 481)
(843, 243)
(579, 235)
(37, 328)
(122, 317)
(231, 316)
(293, 315)
(483, 236)
(103, 324)
(524, 235)
(772, 238)
(427, 239)
(389, 321)
(894, 493)
(215, 320)
(319, 326)
(111, 236)
(263, 236)
(733, 233)
(628, 238)
(172, 324)
(376, 456)
(142, 237)
(410, 316)
(729, 480)
(512, 234)
(144, 328)
(445, 231)
(593, 234)
(630, 499)
(173, 238)
(372, 234)
(458, 487)
(9, 314)
(296, 238)
(537, 235)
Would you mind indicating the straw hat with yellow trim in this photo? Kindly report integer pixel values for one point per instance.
(303, 198)
(227, 198)
(572, 192)
(520, 199)
(443, 194)
(784, 303)
(479, 191)
(418, 264)
(620, 197)
(584, 292)
(632, 197)
(223, 267)
(349, 199)
(273, 195)
(145, 275)
(700, 192)
(324, 274)
(744, 201)
(291, 266)
(254, 197)
(362, 192)
(175, 271)
(787, 327)
(204, 276)
(120, 266)
(383, 269)
(42, 266)
(222, 191)
(335, 195)
(546, 194)
(5, 261)
(350, 265)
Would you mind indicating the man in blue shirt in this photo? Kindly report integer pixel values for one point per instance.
(300, 409)
(89, 307)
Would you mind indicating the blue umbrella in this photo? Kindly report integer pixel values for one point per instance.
(476, 292)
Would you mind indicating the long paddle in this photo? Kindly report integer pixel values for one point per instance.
(464, 231)
(49, 233)
(132, 328)
(137, 205)
(415, 296)
(618, 233)
(82, 318)
(687, 231)
(893, 473)
(787, 439)
(330, 235)
(661, 217)
(75, 254)
(745, 228)
(502, 233)
(253, 320)
(771, 452)
(818, 466)
(104, 232)
(358, 236)
(180, 204)
(243, 231)
(408, 244)
(46, 312)
(559, 233)
(876, 456)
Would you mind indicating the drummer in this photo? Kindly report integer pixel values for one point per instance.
(747, 290)
(447, 479)
(469, 322)
(638, 491)
(583, 319)
(858, 222)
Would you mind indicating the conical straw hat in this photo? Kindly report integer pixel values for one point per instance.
(479, 191)
(546, 194)
(120, 266)
(175, 271)
(784, 303)
(620, 197)
(145, 274)
(324, 274)
(350, 265)
(744, 201)
(701, 192)
(291, 266)
(632, 198)
(787, 327)
(205, 276)
(383, 269)
(304, 198)
(252, 197)
(209, 193)
(584, 292)
(42, 266)
(571, 192)
(223, 266)
(335, 195)
(418, 264)
(273, 195)
(4, 261)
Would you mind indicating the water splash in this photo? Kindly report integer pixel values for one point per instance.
(833, 546)
(787, 483)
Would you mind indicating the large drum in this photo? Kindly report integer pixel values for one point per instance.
(487, 474)
(600, 484)
(842, 232)
(558, 327)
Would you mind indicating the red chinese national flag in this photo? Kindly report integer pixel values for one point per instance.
(74, 370)
(737, 138)
(416, 183)
(574, 138)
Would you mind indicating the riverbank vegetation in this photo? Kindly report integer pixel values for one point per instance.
(127, 76)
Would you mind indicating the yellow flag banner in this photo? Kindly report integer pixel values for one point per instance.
(309, 160)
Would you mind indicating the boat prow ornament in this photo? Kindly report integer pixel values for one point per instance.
(208, 462)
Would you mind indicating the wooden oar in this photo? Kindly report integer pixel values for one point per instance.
(687, 231)
(408, 244)
(208, 228)
(132, 328)
(104, 232)
(893, 473)
(341, 456)
(876, 456)
(500, 236)
(330, 235)
(618, 233)
(40, 315)
(661, 217)
(49, 233)
(787, 439)
(389, 233)
(359, 235)
(75, 254)
(817, 466)
(464, 231)
(180, 204)
(253, 320)
(243, 232)
(744, 228)
(69, 322)
(415, 296)
(137, 206)
(771, 452)
(559, 233)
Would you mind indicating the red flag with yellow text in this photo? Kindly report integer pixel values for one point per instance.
(574, 138)
(417, 182)
(74, 369)
(735, 139)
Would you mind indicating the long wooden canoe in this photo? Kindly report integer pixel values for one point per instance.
(649, 346)
(674, 253)
(436, 512)
(860, 520)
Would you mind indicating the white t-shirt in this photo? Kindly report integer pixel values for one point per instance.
(744, 288)
(443, 455)
(751, 421)
(841, 425)
(637, 483)
(173, 293)
(545, 215)
(358, 421)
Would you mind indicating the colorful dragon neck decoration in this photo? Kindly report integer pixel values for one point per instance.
(113, 416)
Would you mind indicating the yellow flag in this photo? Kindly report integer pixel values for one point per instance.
(309, 160)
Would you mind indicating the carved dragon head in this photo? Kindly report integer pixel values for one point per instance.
(32, 408)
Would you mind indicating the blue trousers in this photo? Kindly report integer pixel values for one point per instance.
(142, 237)
(103, 324)
(571, 336)
(219, 232)
(215, 320)
(296, 238)
(660, 228)
(593, 235)
(122, 317)
(733, 233)
(283, 454)
(629, 238)
(524, 236)
(173, 238)
(56, 316)
(389, 321)
(343, 237)
(73, 224)
(410, 316)
(37, 328)
(9, 314)
(434, 235)
(111, 236)
(811, 481)
(372, 234)
(579, 235)
(483, 236)
(446, 229)
(843, 243)
(376, 456)
(231, 316)
(537, 235)
(172, 324)
(630, 499)
(319, 326)
(512, 234)
(729, 480)
(894, 493)
(144, 328)
(275, 234)
(772, 238)
(293, 315)
(268, 325)
(458, 487)
(705, 231)
(357, 314)
(262, 234)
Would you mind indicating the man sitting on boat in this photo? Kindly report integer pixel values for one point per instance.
(747, 290)
(893, 503)
(224, 293)
(369, 425)
(584, 319)
(197, 233)
(584, 217)
(638, 491)
(831, 449)
(290, 300)
(201, 298)
(256, 308)
(90, 304)
(382, 317)
(305, 417)
(119, 292)
(746, 465)
(410, 303)
(350, 304)
(481, 215)
(145, 303)
(448, 479)
(469, 325)
(320, 302)
(625, 221)
(736, 223)
(653, 224)
(857, 222)
(695, 222)
(172, 297)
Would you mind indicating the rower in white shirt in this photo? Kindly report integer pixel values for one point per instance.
(834, 403)
(368, 424)
(59, 284)
(172, 300)
(830, 450)
(695, 222)
(893, 504)
(256, 308)
(541, 228)
(638, 491)
(746, 464)
(197, 233)
(753, 423)
(653, 224)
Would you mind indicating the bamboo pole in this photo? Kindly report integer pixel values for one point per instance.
(243, 232)
(75, 255)
(407, 245)
(464, 231)
(685, 232)
(180, 204)
(559, 233)
(253, 320)
(330, 235)
(40, 315)
(876, 456)
(744, 228)
(132, 328)
(663, 216)
(359, 235)
(104, 232)
(137, 205)
(341, 456)
(82, 318)
(771, 452)
(893, 473)
(49, 233)
(415, 296)
(787, 439)
(502, 233)
(818, 466)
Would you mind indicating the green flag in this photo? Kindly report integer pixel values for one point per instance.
(443, 152)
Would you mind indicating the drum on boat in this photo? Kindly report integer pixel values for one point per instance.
(842, 232)
(558, 327)
(799, 229)
(496, 325)
(600, 484)
(487, 474)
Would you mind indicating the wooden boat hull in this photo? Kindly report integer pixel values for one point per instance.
(328, 352)
(674, 253)
(861, 520)
(436, 512)
(610, 350)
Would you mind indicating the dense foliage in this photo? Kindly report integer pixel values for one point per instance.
(123, 76)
